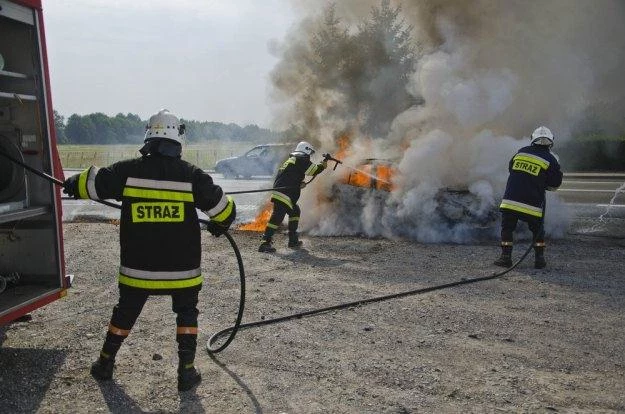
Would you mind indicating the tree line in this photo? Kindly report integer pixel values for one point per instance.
(99, 128)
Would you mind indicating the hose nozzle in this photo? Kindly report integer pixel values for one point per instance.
(328, 157)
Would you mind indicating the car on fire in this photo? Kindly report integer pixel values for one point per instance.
(261, 160)
(375, 176)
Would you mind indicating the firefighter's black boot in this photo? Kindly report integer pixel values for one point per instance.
(294, 241)
(102, 369)
(266, 247)
(188, 376)
(539, 258)
(505, 260)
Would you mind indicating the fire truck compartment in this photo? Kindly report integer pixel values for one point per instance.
(31, 268)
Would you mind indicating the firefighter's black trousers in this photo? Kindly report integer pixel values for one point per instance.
(509, 222)
(277, 216)
(131, 302)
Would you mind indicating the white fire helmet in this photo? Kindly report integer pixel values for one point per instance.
(164, 125)
(542, 136)
(305, 148)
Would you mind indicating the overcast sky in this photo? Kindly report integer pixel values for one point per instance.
(205, 60)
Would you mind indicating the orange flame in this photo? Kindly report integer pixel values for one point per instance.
(372, 175)
(261, 220)
(343, 143)
(385, 175)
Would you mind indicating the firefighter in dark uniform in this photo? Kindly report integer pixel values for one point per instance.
(160, 238)
(290, 178)
(533, 170)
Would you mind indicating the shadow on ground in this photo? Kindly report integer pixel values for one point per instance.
(25, 376)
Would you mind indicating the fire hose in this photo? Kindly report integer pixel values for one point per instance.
(361, 302)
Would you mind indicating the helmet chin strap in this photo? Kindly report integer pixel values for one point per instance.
(161, 147)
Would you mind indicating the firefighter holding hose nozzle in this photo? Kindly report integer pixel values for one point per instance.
(160, 240)
(290, 175)
(533, 170)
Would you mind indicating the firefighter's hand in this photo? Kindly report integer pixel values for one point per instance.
(70, 186)
(218, 228)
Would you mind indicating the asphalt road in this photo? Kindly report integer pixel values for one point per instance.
(588, 194)
(593, 194)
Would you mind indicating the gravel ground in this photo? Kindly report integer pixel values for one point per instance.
(531, 341)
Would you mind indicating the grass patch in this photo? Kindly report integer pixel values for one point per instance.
(203, 155)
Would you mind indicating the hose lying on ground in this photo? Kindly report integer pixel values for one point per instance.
(232, 330)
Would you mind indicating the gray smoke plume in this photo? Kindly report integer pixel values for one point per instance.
(484, 74)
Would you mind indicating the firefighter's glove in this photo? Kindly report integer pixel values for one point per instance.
(70, 186)
(215, 228)
(219, 228)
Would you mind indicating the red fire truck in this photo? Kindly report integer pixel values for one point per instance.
(32, 269)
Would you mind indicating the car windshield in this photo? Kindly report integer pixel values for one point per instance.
(256, 152)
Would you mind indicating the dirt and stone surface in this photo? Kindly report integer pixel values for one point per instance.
(531, 341)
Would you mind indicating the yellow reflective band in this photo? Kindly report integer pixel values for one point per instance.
(286, 163)
(272, 226)
(293, 219)
(155, 212)
(226, 211)
(544, 164)
(82, 184)
(312, 169)
(521, 209)
(282, 198)
(159, 284)
(158, 194)
(507, 243)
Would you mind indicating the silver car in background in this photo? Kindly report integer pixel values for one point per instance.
(262, 160)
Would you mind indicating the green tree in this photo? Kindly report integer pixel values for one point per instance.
(80, 130)
(59, 128)
(98, 128)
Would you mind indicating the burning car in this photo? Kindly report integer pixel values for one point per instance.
(366, 190)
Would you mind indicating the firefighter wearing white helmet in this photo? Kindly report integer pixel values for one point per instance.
(160, 240)
(532, 170)
(289, 180)
(164, 134)
(542, 136)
